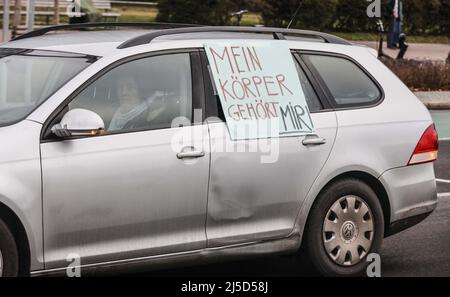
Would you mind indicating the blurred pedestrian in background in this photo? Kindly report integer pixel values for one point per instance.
(395, 8)
(86, 9)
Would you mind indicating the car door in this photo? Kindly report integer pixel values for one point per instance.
(141, 188)
(257, 187)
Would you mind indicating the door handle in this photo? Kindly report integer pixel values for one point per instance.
(313, 140)
(189, 153)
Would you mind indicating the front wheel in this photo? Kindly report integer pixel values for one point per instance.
(9, 258)
(345, 225)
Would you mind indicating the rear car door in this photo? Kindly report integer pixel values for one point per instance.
(257, 187)
(132, 192)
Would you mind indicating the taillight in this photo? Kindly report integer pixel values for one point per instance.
(427, 148)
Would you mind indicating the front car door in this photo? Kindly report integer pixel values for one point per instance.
(129, 193)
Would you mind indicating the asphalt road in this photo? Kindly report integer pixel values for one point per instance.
(423, 250)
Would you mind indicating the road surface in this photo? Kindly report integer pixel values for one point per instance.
(442, 120)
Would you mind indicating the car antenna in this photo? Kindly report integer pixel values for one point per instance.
(295, 14)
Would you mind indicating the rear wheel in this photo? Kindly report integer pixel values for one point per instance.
(9, 257)
(345, 225)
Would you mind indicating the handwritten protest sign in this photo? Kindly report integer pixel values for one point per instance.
(259, 89)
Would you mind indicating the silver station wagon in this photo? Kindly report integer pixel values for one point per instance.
(90, 175)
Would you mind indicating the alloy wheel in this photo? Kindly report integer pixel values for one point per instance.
(348, 230)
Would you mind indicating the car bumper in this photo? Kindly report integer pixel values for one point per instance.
(412, 195)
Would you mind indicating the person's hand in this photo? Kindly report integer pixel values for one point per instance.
(156, 95)
(152, 114)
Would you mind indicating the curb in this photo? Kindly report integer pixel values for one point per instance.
(435, 100)
(433, 106)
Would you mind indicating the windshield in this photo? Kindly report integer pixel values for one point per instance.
(29, 77)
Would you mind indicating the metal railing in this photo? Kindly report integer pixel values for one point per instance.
(277, 33)
(49, 29)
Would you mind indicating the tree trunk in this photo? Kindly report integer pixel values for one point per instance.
(56, 13)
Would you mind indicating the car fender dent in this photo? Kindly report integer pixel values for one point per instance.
(225, 206)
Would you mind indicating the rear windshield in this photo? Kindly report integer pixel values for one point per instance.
(29, 77)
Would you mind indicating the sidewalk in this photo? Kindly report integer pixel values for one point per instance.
(435, 100)
(416, 51)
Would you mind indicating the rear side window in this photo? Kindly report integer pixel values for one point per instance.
(348, 84)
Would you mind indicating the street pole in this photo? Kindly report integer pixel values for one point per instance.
(56, 13)
(5, 20)
(238, 15)
(17, 17)
(30, 15)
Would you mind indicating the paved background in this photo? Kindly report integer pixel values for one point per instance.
(416, 51)
(423, 250)
(442, 168)
(439, 100)
(442, 120)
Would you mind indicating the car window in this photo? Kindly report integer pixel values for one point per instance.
(348, 84)
(312, 100)
(144, 94)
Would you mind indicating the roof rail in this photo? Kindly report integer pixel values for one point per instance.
(155, 25)
(278, 33)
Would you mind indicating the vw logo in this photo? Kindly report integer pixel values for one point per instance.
(348, 230)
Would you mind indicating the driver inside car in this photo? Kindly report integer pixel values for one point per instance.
(133, 111)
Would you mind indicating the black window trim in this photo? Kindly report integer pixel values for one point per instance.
(324, 87)
(211, 100)
(198, 101)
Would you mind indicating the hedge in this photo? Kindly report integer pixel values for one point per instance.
(421, 17)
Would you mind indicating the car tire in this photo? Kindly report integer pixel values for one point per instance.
(9, 257)
(333, 221)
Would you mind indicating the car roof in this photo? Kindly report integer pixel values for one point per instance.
(106, 42)
(85, 42)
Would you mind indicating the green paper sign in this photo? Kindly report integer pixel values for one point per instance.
(259, 89)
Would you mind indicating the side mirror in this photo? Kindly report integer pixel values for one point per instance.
(79, 122)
